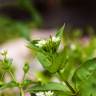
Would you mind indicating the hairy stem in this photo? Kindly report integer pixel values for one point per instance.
(70, 87)
(68, 84)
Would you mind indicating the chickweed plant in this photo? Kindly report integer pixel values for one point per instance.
(76, 74)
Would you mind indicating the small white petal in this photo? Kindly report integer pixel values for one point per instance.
(42, 42)
(40, 94)
(49, 93)
(38, 45)
(55, 39)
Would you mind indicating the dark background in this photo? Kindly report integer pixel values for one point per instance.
(75, 13)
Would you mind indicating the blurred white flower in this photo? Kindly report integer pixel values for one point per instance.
(55, 39)
(40, 94)
(73, 46)
(47, 93)
(41, 43)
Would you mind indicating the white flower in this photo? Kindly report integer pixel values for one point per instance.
(55, 39)
(40, 94)
(47, 93)
(73, 46)
(38, 45)
(41, 43)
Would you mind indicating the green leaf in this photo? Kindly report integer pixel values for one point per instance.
(59, 61)
(68, 72)
(44, 76)
(86, 70)
(10, 84)
(52, 63)
(85, 78)
(69, 61)
(49, 86)
(60, 32)
(88, 87)
(61, 58)
(61, 93)
(43, 58)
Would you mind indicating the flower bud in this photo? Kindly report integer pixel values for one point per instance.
(26, 68)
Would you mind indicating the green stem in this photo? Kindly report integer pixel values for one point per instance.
(12, 76)
(68, 84)
(3, 76)
(24, 76)
(21, 92)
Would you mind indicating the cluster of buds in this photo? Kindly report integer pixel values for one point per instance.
(6, 62)
(49, 45)
(42, 43)
(47, 51)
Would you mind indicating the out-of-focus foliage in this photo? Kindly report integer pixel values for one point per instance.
(11, 28)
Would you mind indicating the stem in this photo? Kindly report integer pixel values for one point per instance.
(2, 77)
(21, 92)
(67, 83)
(24, 76)
(12, 76)
(69, 86)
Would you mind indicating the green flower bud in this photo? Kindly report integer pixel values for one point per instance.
(26, 68)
